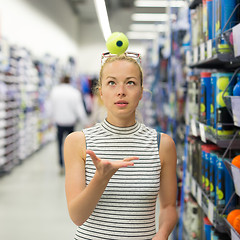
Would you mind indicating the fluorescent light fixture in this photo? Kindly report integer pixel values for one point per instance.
(103, 18)
(142, 35)
(148, 27)
(157, 3)
(152, 17)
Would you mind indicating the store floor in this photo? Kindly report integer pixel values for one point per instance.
(32, 200)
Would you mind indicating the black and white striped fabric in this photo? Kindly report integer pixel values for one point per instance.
(126, 209)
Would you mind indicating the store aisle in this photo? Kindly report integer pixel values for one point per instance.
(32, 200)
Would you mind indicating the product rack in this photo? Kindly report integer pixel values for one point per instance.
(202, 57)
(9, 111)
(207, 134)
(207, 56)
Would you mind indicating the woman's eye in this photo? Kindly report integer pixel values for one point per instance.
(131, 83)
(111, 83)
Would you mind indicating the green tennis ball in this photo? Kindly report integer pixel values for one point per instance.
(222, 82)
(117, 43)
(220, 100)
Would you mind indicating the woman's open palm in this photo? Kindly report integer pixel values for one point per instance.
(107, 168)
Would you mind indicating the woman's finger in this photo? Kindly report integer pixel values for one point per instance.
(126, 162)
(92, 155)
(130, 159)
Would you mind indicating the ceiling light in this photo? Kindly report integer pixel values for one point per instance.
(142, 3)
(152, 17)
(148, 27)
(142, 35)
(103, 18)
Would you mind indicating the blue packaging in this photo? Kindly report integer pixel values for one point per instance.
(212, 104)
(214, 7)
(224, 10)
(203, 167)
(221, 119)
(212, 176)
(209, 18)
(206, 171)
(225, 186)
(229, 189)
(205, 98)
(207, 228)
(236, 87)
(220, 183)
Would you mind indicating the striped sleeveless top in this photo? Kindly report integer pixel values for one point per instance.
(126, 209)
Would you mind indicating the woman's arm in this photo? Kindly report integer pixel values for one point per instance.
(82, 199)
(168, 188)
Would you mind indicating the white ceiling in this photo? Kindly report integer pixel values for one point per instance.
(119, 12)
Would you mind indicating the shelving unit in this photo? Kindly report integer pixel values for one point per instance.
(9, 111)
(207, 57)
(25, 84)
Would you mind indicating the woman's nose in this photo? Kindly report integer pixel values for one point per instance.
(121, 90)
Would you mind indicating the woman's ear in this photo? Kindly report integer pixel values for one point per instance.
(100, 92)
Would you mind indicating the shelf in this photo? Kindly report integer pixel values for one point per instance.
(219, 222)
(207, 133)
(194, 4)
(207, 55)
(225, 61)
(206, 204)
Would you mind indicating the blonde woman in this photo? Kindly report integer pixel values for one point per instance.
(116, 169)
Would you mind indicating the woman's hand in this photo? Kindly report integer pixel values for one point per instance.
(106, 168)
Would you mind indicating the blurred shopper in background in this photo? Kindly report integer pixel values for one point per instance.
(66, 109)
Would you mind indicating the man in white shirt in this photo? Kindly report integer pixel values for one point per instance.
(66, 109)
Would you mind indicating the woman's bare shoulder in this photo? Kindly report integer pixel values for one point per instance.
(167, 149)
(167, 142)
(75, 145)
(75, 136)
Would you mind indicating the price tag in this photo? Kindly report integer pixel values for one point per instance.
(195, 55)
(236, 179)
(236, 110)
(209, 48)
(202, 132)
(234, 236)
(202, 51)
(193, 189)
(210, 211)
(194, 127)
(199, 196)
(236, 36)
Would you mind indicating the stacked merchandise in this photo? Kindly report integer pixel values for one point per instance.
(25, 84)
(147, 111)
(197, 225)
(49, 73)
(213, 20)
(9, 111)
(213, 180)
(207, 91)
(28, 117)
(211, 170)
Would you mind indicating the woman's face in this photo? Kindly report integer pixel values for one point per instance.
(121, 90)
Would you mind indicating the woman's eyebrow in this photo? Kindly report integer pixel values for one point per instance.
(110, 77)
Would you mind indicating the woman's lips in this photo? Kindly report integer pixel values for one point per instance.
(121, 103)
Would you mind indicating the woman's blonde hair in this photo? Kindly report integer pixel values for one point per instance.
(121, 57)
